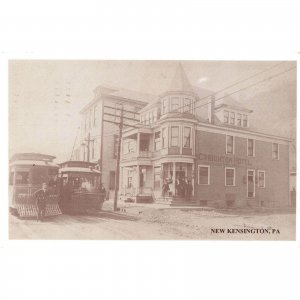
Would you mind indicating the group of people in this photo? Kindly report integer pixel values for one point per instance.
(183, 188)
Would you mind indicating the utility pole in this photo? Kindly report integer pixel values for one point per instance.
(118, 162)
(118, 113)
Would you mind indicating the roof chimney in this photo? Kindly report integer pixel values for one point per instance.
(211, 110)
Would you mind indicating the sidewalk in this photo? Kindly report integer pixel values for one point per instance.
(122, 204)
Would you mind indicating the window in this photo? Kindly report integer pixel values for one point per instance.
(22, 177)
(142, 119)
(175, 104)
(131, 146)
(250, 147)
(129, 179)
(187, 137)
(187, 105)
(250, 183)
(164, 138)
(165, 106)
(147, 119)
(95, 115)
(144, 144)
(275, 151)
(226, 116)
(261, 179)
(232, 118)
(203, 175)
(229, 176)
(174, 136)
(229, 144)
(157, 140)
(245, 120)
(239, 119)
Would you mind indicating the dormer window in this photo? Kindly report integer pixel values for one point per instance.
(239, 119)
(175, 103)
(187, 105)
(245, 120)
(235, 118)
(232, 118)
(226, 116)
(147, 119)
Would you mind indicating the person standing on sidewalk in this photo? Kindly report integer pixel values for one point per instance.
(41, 197)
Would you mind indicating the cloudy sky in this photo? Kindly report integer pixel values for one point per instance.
(43, 118)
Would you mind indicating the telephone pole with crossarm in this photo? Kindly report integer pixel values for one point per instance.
(119, 113)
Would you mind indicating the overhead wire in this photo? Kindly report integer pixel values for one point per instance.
(234, 84)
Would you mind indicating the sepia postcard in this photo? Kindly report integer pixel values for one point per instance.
(152, 150)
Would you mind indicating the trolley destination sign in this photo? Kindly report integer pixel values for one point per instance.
(223, 160)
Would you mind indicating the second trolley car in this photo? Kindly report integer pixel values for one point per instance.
(80, 187)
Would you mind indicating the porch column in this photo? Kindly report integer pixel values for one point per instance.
(137, 179)
(193, 179)
(174, 178)
(138, 143)
(161, 175)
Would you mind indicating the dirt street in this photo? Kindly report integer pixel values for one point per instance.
(146, 222)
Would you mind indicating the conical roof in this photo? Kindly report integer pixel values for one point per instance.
(180, 82)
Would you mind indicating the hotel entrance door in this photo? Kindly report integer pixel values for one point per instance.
(251, 183)
(180, 175)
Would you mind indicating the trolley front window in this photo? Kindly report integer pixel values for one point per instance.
(22, 177)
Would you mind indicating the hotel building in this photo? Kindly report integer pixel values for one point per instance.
(212, 144)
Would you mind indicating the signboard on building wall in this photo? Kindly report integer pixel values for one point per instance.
(223, 160)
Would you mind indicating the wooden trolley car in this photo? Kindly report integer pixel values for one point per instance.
(80, 189)
(28, 171)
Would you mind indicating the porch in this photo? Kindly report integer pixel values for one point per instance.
(137, 183)
(168, 182)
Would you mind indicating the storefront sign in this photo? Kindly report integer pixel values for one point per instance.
(223, 160)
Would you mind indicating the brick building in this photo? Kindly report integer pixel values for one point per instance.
(212, 146)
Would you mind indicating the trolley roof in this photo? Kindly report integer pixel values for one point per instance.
(79, 170)
(32, 156)
(33, 163)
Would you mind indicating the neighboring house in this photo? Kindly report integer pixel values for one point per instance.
(106, 105)
(212, 146)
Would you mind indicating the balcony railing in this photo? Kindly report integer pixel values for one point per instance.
(134, 155)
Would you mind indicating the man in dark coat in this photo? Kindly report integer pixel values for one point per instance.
(41, 197)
